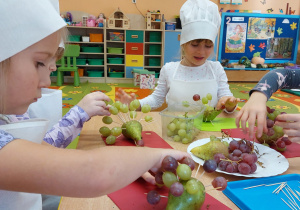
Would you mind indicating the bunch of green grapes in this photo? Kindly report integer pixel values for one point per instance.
(182, 130)
(126, 114)
(184, 190)
(275, 136)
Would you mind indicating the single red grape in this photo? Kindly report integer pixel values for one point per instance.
(196, 97)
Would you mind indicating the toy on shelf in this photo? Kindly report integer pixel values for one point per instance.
(118, 20)
(100, 20)
(154, 20)
(91, 21)
(68, 18)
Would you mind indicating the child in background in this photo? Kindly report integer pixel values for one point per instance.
(29, 168)
(255, 108)
(194, 74)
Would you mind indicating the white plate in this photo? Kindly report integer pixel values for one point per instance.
(274, 162)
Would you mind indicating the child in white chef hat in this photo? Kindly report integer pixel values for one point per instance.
(28, 168)
(194, 74)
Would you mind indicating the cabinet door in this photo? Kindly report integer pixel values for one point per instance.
(134, 60)
(172, 46)
(134, 36)
(135, 48)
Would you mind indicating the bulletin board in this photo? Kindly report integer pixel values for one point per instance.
(275, 37)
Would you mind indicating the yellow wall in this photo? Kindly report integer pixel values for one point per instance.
(169, 8)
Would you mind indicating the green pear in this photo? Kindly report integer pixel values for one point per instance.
(208, 150)
(186, 200)
(210, 114)
(132, 130)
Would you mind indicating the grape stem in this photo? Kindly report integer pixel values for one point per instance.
(163, 196)
(213, 189)
(201, 175)
(197, 171)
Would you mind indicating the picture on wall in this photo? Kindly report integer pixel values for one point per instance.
(279, 48)
(261, 28)
(235, 37)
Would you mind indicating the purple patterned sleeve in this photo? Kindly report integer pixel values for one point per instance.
(67, 129)
(278, 79)
(5, 138)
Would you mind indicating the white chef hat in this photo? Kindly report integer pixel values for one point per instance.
(200, 19)
(26, 22)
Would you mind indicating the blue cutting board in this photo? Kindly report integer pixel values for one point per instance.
(261, 197)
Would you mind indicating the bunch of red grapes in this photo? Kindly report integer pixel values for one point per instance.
(241, 159)
(177, 176)
(275, 136)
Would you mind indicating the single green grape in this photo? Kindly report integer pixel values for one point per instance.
(192, 186)
(146, 108)
(182, 133)
(131, 107)
(184, 172)
(132, 114)
(209, 96)
(113, 110)
(110, 139)
(107, 120)
(182, 125)
(148, 118)
(105, 131)
(185, 140)
(185, 104)
(124, 108)
(118, 104)
(170, 133)
(116, 131)
(135, 103)
(177, 138)
(204, 100)
(169, 178)
(171, 126)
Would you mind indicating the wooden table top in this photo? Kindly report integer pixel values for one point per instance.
(90, 138)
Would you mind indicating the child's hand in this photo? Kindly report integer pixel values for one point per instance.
(94, 104)
(254, 109)
(123, 97)
(290, 124)
(227, 102)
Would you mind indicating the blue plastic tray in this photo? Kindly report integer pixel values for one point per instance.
(261, 197)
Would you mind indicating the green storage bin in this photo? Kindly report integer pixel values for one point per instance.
(115, 60)
(53, 73)
(154, 61)
(156, 74)
(134, 36)
(96, 61)
(95, 73)
(115, 50)
(74, 38)
(116, 74)
(92, 49)
(154, 36)
(80, 61)
(155, 49)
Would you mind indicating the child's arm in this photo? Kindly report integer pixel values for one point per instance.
(69, 127)
(34, 168)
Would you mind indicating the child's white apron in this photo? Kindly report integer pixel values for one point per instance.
(185, 90)
(33, 130)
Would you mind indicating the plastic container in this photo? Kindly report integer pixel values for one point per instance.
(154, 49)
(74, 38)
(96, 61)
(81, 61)
(116, 74)
(95, 73)
(116, 36)
(154, 36)
(80, 72)
(178, 115)
(170, 25)
(156, 74)
(96, 37)
(85, 38)
(92, 49)
(115, 60)
(154, 61)
(115, 50)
